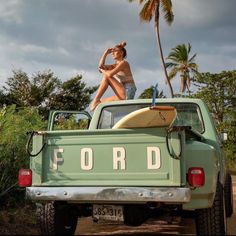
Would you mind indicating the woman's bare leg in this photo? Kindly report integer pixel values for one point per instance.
(117, 87)
(101, 90)
(109, 99)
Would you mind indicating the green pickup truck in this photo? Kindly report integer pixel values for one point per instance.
(89, 166)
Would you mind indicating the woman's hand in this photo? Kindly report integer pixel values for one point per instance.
(100, 69)
(108, 50)
(103, 58)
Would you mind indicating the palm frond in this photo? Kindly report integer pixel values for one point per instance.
(146, 13)
(140, 1)
(189, 47)
(173, 72)
(166, 6)
(183, 51)
(193, 66)
(175, 57)
(170, 64)
(179, 54)
(192, 58)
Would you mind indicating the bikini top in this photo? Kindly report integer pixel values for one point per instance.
(124, 79)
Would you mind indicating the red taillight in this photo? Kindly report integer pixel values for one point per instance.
(196, 176)
(25, 178)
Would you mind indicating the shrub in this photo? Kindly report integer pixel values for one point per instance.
(14, 124)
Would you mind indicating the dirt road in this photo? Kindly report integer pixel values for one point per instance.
(180, 225)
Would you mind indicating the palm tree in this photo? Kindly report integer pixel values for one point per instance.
(181, 62)
(148, 93)
(151, 8)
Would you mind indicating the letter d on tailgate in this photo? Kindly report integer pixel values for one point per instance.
(153, 158)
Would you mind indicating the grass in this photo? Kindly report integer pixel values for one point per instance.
(18, 220)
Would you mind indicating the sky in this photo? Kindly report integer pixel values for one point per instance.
(68, 37)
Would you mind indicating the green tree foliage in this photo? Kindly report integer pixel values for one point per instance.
(4, 99)
(14, 124)
(47, 92)
(219, 93)
(181, 62)
(73, 95)
(148, 93)
(150, 10)
(35, 91)
(70, 122)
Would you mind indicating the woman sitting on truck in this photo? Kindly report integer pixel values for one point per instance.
(118, 76)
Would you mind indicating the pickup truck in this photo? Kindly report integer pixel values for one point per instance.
(89, 166)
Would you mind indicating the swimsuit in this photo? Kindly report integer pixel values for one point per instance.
(130, 90)
(128, 83)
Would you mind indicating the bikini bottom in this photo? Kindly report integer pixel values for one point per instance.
(130, 90)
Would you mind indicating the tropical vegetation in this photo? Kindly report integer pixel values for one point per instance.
(14, 124)
(180, 62)
(24, 106)
(219, 93)
(46, 92)
(148, 93)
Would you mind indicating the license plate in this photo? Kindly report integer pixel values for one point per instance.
(108, 212)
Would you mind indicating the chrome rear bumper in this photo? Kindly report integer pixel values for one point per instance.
(109, 194)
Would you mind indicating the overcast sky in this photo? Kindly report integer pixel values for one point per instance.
(69, 36)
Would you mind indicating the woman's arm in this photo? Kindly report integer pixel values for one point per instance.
(107, 67)
(103, 58)
(119, 67)
(102, 61)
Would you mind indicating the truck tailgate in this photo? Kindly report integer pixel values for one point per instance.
(136, 157)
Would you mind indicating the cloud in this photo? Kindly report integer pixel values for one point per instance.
(216, 61)
(195, 14)
(11, 10)
(69, 36)
(27, 48)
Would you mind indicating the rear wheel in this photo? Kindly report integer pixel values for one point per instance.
(228, 191)
(212, 221)
(55, 219)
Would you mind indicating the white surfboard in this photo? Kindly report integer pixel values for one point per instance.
(156, 116)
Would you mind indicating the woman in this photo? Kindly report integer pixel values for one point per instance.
(118, 76)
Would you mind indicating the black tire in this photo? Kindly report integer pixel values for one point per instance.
(55, 219)
(228, 191)
(212, 221)
(135, 215)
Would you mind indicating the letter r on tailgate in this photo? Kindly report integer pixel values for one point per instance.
(118, 156)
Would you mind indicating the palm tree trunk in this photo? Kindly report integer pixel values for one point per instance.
(188, 84)
(160, 48)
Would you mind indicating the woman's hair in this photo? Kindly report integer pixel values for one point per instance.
(121, 46)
